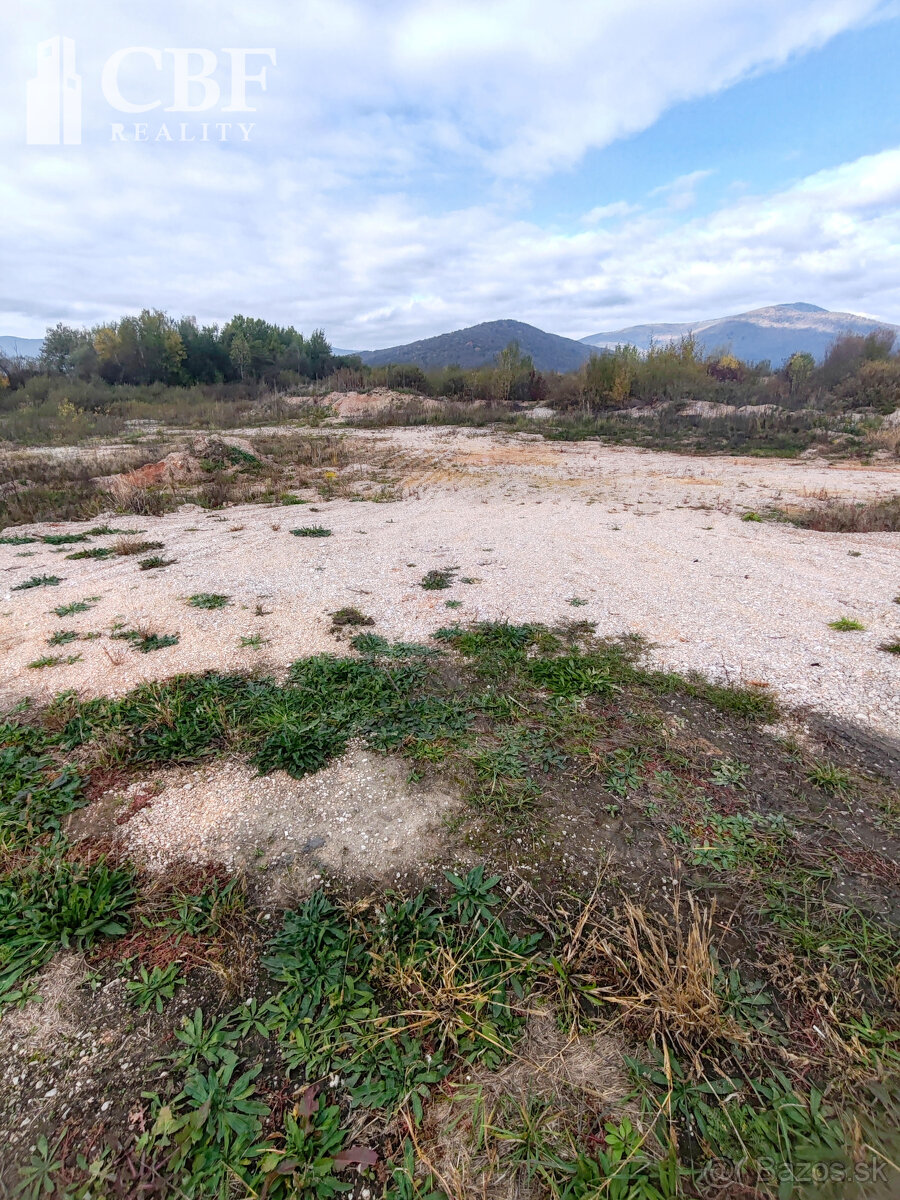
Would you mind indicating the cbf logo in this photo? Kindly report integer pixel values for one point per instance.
(138, 81)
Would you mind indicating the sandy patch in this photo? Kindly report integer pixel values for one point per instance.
(652, 541)
(359, 816)
(566, 1071)
(45, 1020)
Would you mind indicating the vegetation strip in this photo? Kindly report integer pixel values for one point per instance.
(755, 1003)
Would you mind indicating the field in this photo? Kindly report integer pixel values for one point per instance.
(445, 812)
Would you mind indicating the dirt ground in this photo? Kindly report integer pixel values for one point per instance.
(584, 798)
(636, 541)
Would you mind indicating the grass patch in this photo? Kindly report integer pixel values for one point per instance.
(209, 600)
(349, 616)
(376, 1027)
(99, 552)
(146, 643)
(38, 581)
(890, 647)
(154, 562)
(872, 516)
(311, 531)
(439, 579)
(846, 625)
(76, 606)
(126, 547)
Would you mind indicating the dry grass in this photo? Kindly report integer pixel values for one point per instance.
(127, 546)
(655, 972)
(842, 516)
(565, 1085)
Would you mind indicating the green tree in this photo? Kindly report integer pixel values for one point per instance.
(240, 353)
(799, 368)
(64, 348)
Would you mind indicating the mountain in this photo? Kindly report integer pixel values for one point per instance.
(773, 333)
(16, 347)
(480, 344)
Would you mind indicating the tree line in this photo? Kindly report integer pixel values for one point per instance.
(153, 348)
(156, 348)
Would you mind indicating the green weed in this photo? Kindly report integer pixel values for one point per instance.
(62, 637)
(63, 539)
(349, 616)
(152, 988)
(846, 625)
(51, 903)
(35, 792)
(205, 1044)
(126, 547)
(146, 642)
(208, 600)
(99, 552)
(729, 772)
(830, 778)
(38, 1178)
(313, 531)
(728, 842)
(37, 581)
(439, 580)
(77, 606)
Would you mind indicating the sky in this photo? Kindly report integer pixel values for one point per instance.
(394, 169)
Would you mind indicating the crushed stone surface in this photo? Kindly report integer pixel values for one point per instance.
(652, 541)
(358, 816)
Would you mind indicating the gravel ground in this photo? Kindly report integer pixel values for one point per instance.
(360, 816)
(653, 542)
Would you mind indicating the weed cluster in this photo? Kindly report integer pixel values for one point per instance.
(381, 1043)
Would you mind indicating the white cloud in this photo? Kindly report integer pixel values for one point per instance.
(608, 212)
(395, 147)
(381, 270)
(681, 193)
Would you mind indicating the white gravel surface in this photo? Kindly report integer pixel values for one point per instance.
(359, 815)
(652, 541)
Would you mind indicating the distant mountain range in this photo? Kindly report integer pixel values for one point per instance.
(773, 333)
(16, 347)
(480, 344)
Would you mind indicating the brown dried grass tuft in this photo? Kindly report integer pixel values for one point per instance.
(656, 972)
(881, 515)
(563, 1084)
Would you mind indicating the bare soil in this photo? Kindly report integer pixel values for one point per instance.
(645, 542)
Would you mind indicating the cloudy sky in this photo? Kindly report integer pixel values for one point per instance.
(414, 166)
